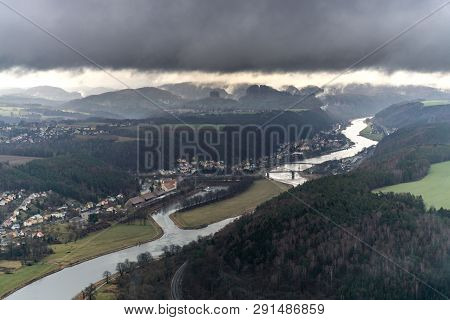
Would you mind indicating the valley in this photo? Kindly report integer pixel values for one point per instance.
(255, 159)
(102, 153)
(223, 211)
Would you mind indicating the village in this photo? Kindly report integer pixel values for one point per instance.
(31, 133)
(25, 215)
(33, 218)
(321, 143)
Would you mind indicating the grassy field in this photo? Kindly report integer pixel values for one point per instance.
(434, 187)
(9, 264)
(435, 103)
(114, 238)
(16, 160)
(106, 292)
(368, 133)
(23, 276)
(259, 192)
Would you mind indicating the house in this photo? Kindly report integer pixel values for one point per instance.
(149, 196)
(38, 235)
(13, 234)
(111, 210)
(102, 203)
(54, 215)
(15, 226)
(7, 223)
(28, 222)
(58, 215)
(133, 202)
(85, 215)
(36, 219)
(159, 193)
(169, 185)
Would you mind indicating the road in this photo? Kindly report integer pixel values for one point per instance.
(176, 285)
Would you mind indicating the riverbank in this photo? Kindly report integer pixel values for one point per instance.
(68, 282)
(102, 289)
(370, 132)
(245, 202)
(113, 239)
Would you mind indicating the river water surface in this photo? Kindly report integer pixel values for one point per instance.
(66, 283)
(351, 132)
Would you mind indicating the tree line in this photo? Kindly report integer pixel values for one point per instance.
(327, 245)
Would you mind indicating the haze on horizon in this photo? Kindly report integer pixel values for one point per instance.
(152, 42)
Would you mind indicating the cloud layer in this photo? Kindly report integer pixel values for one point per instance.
(224, 36)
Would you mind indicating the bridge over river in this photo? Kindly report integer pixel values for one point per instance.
(68, 282)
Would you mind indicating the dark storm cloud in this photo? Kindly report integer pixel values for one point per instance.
(227, 35)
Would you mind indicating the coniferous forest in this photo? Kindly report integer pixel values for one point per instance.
(330, 238)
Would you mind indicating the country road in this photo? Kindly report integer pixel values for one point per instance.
(176, 285)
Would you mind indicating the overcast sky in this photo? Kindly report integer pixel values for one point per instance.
(162, 39)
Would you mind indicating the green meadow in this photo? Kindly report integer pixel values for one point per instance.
(434, 187)
(435, 103)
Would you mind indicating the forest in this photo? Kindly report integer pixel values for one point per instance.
(330, 238)
(230, 139)
(75, 176)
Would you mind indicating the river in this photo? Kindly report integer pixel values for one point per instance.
(351, 132)
(66, 283)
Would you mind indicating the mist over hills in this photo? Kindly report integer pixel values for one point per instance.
(213, 103)
(51, 93)
(409, 91)
(193, 91)
(24, 101)
(40, 92)
(358, 100)
(128, 103)
(89, 91)
(341, 102)
(47, 96)
(261, 96)
(414, 113)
